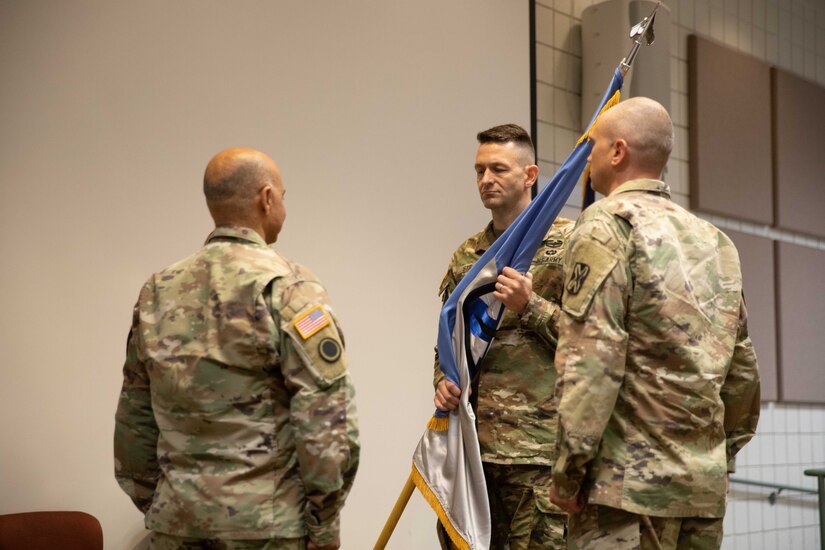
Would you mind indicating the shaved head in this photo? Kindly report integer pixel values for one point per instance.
(236, 175)
(646, 127)
(232, 180)
(243, 188)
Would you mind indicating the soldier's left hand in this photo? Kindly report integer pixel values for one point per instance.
(514, 289)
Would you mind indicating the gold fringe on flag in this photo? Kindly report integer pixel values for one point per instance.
(458, 541)
(437, 424)
(614, 100)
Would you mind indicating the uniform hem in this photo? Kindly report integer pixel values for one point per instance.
(231, 535)
(528, 461)
(669, 513)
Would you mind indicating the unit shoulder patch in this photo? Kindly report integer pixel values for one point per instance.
(577, 277)
(329, 350)
(590, 264)
(318, 343)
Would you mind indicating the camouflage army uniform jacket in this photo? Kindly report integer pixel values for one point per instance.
(659, 383)
(516, 411)
(230, 423)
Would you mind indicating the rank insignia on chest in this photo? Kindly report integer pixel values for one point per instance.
(311, 322)
(577, 278)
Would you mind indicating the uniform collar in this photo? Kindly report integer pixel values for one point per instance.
(650, 186)
(485, 239)
(235, 232)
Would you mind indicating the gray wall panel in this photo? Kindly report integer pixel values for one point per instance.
(801, 302)
(730, 132)
(799, 126)
(757, 257)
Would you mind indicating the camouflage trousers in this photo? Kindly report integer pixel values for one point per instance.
(161, 541)
(522, 517)
(605, 528)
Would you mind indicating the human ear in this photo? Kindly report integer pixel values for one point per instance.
(532, 175)
(619, 152)
(265, 198)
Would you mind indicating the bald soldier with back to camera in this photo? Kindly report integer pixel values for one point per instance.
(236, 426)
(659, 382)
(516, 412)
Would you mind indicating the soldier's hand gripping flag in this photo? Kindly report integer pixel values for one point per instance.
(447, 463)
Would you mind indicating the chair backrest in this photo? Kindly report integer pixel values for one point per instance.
(49, 531)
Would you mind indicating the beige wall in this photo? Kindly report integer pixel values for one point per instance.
(109, 111)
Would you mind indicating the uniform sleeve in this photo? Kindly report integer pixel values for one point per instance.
(541, 316)
(323, 415)
(590, 355)
(740, 392)
(136, 434)
(448, 284)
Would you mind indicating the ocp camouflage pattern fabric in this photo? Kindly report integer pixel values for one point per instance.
(659, 384)
(230, 423)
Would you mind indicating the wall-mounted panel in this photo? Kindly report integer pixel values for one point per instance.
(756, 255)
(801, 303)
(799, 138)
(730, 132)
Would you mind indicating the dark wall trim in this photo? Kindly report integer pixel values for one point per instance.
(534, 127)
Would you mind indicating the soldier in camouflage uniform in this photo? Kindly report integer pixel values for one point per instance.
(236, 426)
(516, 413)
(659, 383)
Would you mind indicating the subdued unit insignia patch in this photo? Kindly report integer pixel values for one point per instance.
(329, 350)
(577, 278)
(586, 277)
(311, 322)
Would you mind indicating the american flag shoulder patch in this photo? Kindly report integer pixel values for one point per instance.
(311, 322)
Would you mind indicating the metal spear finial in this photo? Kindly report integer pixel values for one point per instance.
(643, 28)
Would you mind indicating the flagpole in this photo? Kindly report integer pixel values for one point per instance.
(395, 515)
(644, 29)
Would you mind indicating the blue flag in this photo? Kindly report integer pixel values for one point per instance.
(447, 462)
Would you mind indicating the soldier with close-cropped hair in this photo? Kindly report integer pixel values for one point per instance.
(659, 383)
(236, 425)
(514, 404)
